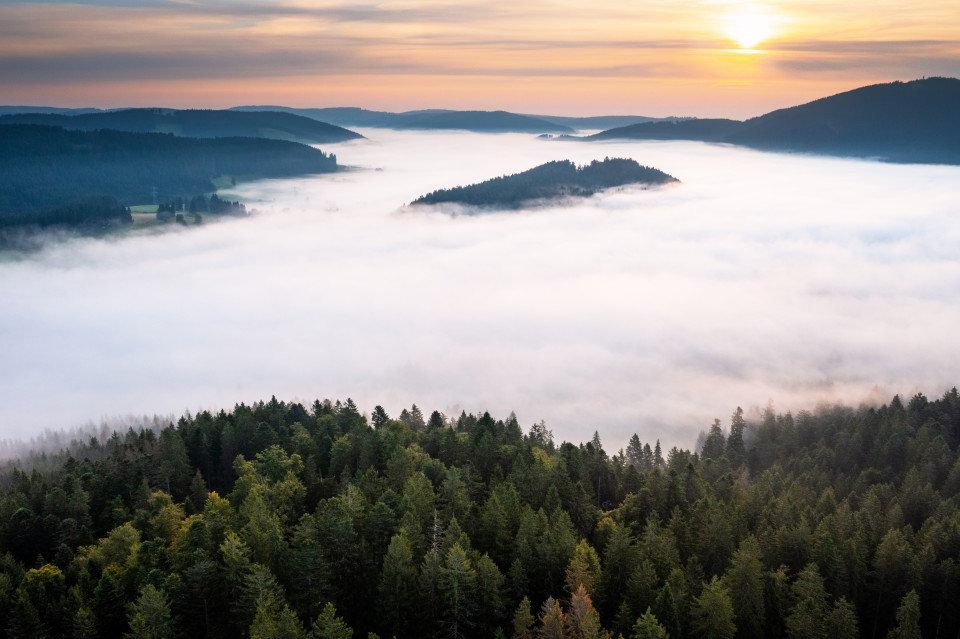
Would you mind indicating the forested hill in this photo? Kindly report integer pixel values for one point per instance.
(901, 121)
(285, 520)
(548, 182)
(195, 123)
(898, 122)
(47, 170)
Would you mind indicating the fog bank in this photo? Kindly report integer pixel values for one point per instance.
(760, 278)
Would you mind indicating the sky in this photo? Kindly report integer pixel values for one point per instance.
(706, 58)
(759, 279)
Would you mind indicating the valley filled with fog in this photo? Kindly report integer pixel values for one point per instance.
(759, 278)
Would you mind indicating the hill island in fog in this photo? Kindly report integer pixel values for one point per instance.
(549, 182)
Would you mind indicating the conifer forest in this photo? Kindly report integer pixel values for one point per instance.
(283, 520)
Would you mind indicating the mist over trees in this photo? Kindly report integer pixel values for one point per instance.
(284, 520)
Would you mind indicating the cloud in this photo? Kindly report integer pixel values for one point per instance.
(761, 277)
(896, 59)
(119, 53)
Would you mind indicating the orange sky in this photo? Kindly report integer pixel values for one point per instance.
(657, 57)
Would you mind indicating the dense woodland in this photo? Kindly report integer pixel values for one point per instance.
(283, 520)
(51, 175)
(548, 182)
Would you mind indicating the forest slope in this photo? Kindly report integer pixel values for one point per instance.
(283, 520)
(46, 168)
(898, 122)
(195, 124)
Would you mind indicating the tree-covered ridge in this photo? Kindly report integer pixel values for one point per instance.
(49, 169)
(557, 179)
(898, 122)
(279, 520)
(195, 123)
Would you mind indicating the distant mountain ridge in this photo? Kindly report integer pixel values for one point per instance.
(548, 182)
(703, 130)
(909, 122)
(602, 121)
(476, 121)
(195, 123)
(7, 110)
(429, 119)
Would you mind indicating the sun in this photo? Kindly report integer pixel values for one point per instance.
(749, 25)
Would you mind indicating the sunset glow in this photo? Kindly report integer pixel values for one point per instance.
(653, 58)
(749, 25)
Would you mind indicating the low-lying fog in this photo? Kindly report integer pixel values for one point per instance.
(761, 278)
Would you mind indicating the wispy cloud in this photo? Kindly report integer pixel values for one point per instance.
(336, 43)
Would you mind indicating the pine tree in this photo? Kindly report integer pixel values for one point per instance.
(553, 624)
(744, 579)
(276, 621)
(429, 601)
(842, 622)
(84, 624)
(108, 608)
(458, 584)
(329, 626)
(379, 417)
(666, 612)
(635, 452)
(712, 613)
(908, 618)
(397, 587)
(736, 450)
(150, 616)
(490, 595)
(583, 620)
(583, 569)
(648, 627)
(715, 444)
(807, 619)
(523, 620)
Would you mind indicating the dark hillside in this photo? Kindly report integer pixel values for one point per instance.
(915, 121)
(46, 167)
(196, 124)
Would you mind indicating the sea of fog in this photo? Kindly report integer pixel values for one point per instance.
(760, 279)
